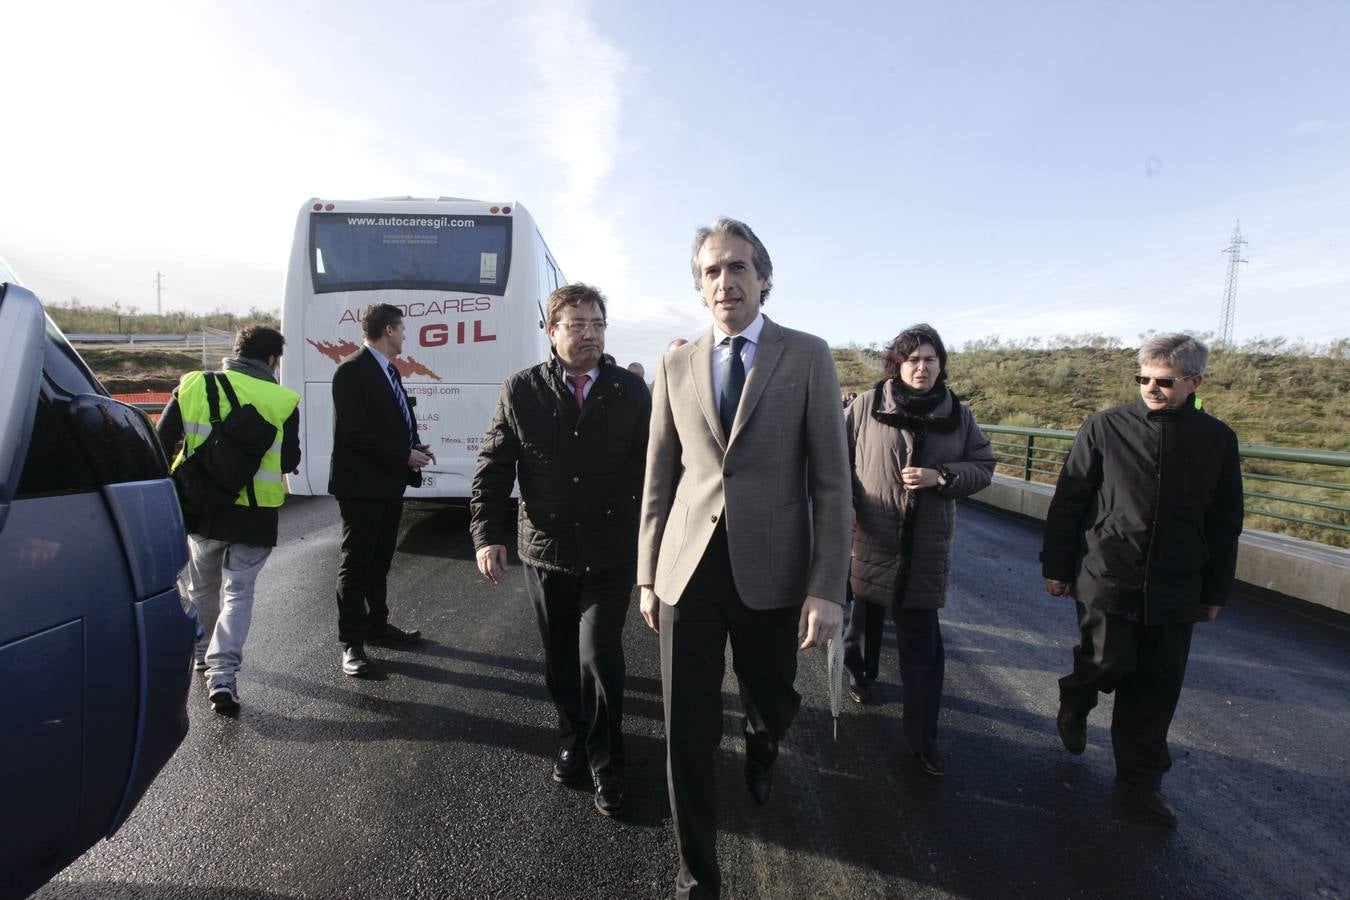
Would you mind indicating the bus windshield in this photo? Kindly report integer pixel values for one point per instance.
(417, 252)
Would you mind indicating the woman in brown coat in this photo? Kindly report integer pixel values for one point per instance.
(915, 449)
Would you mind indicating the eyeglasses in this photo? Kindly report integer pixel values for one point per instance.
(1143, 380)
(580, 326)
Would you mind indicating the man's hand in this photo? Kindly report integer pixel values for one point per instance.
(1056, 588)
(650, 605)
(916, 478)
(1211, 612)
(420, 455)
(492, 562)
(819, 622)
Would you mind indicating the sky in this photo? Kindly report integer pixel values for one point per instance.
(1011, 170)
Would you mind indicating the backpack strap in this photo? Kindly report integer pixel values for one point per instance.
(229, 391)
(213, 400)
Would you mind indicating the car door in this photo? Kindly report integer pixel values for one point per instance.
(95, 642)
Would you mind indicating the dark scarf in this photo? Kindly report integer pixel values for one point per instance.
(915, 415)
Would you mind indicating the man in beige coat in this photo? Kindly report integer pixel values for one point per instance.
(745, 530)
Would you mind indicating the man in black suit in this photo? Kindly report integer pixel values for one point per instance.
(573, 430)
(375, 457)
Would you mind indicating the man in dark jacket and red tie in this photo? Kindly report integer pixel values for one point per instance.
(376, 456)
(1143, 534)
(573, 430)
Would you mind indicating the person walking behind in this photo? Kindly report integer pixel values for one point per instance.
(230, 542)
(376, 456)
(1142, 533)
(573, 431)
(915, 450)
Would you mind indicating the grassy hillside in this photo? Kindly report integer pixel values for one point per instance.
(76, 319)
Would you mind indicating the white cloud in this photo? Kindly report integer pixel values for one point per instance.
(575, 118)
(1311, 126)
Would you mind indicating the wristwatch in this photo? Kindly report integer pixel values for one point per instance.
(945, 477)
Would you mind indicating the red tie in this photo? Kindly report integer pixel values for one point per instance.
(579, 383)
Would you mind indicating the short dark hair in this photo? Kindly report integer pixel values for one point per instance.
(724, 226)
(377, 318)
(909, 340)
(573, 295)
(258, 342)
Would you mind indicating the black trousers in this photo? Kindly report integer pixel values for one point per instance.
(369, 537)
(693, 644)
(581, 619)
(923, 664)
(1145, 666)
(862, 640)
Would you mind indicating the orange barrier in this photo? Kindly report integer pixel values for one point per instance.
(144, 397)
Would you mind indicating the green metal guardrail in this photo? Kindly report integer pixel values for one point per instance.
(1028, 455)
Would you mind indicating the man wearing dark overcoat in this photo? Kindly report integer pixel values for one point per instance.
(1143, 534)
(573, 431)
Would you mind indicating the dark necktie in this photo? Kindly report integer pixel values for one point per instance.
(403, 404)
(733, 380)
(578, 383)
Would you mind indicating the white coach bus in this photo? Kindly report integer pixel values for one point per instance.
(471, 278)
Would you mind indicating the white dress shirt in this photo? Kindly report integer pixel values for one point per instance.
(568, 377)
(722, 354)
(384, 367)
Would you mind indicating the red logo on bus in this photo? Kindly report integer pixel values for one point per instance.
(337, 351)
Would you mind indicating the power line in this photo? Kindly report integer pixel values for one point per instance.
(159, 293)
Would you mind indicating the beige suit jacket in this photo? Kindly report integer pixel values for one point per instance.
(781, 478)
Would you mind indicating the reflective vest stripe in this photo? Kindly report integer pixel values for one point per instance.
(201, 430)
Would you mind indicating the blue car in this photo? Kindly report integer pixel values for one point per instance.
(95, 640)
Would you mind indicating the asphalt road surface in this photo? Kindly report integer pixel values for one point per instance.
(433, 779)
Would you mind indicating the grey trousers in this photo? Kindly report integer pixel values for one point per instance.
(220, 580)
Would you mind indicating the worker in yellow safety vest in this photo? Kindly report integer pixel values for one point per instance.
(230, 542)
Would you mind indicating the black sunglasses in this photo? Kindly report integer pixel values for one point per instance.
(1143, 380)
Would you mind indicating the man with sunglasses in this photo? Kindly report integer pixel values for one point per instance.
(1143, 534)
(573, 431)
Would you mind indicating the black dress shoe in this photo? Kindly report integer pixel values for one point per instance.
(1147, 802)
(354, 661)
(859, 691)
(569, 765)
(759, 779)
(1072, 731)
(930, 763)
(392, 636)
(608, 795)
